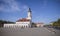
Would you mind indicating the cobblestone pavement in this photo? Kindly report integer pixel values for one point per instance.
(27, 32)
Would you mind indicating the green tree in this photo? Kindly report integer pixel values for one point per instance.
(33, 25)
(56, 23)
(2, 22)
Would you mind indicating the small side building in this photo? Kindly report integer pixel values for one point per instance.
(39, 24)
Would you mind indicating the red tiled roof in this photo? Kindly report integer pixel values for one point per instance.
(23, 20)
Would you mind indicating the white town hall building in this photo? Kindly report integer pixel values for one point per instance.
(23, 22)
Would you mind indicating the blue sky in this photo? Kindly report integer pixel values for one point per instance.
(42, 10)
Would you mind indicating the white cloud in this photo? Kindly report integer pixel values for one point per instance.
(11, 6)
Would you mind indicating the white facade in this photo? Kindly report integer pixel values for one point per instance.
(16, 25)
(19, 24)
(23, 24)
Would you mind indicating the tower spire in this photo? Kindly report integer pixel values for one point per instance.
(29, 10)
(29, 14)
